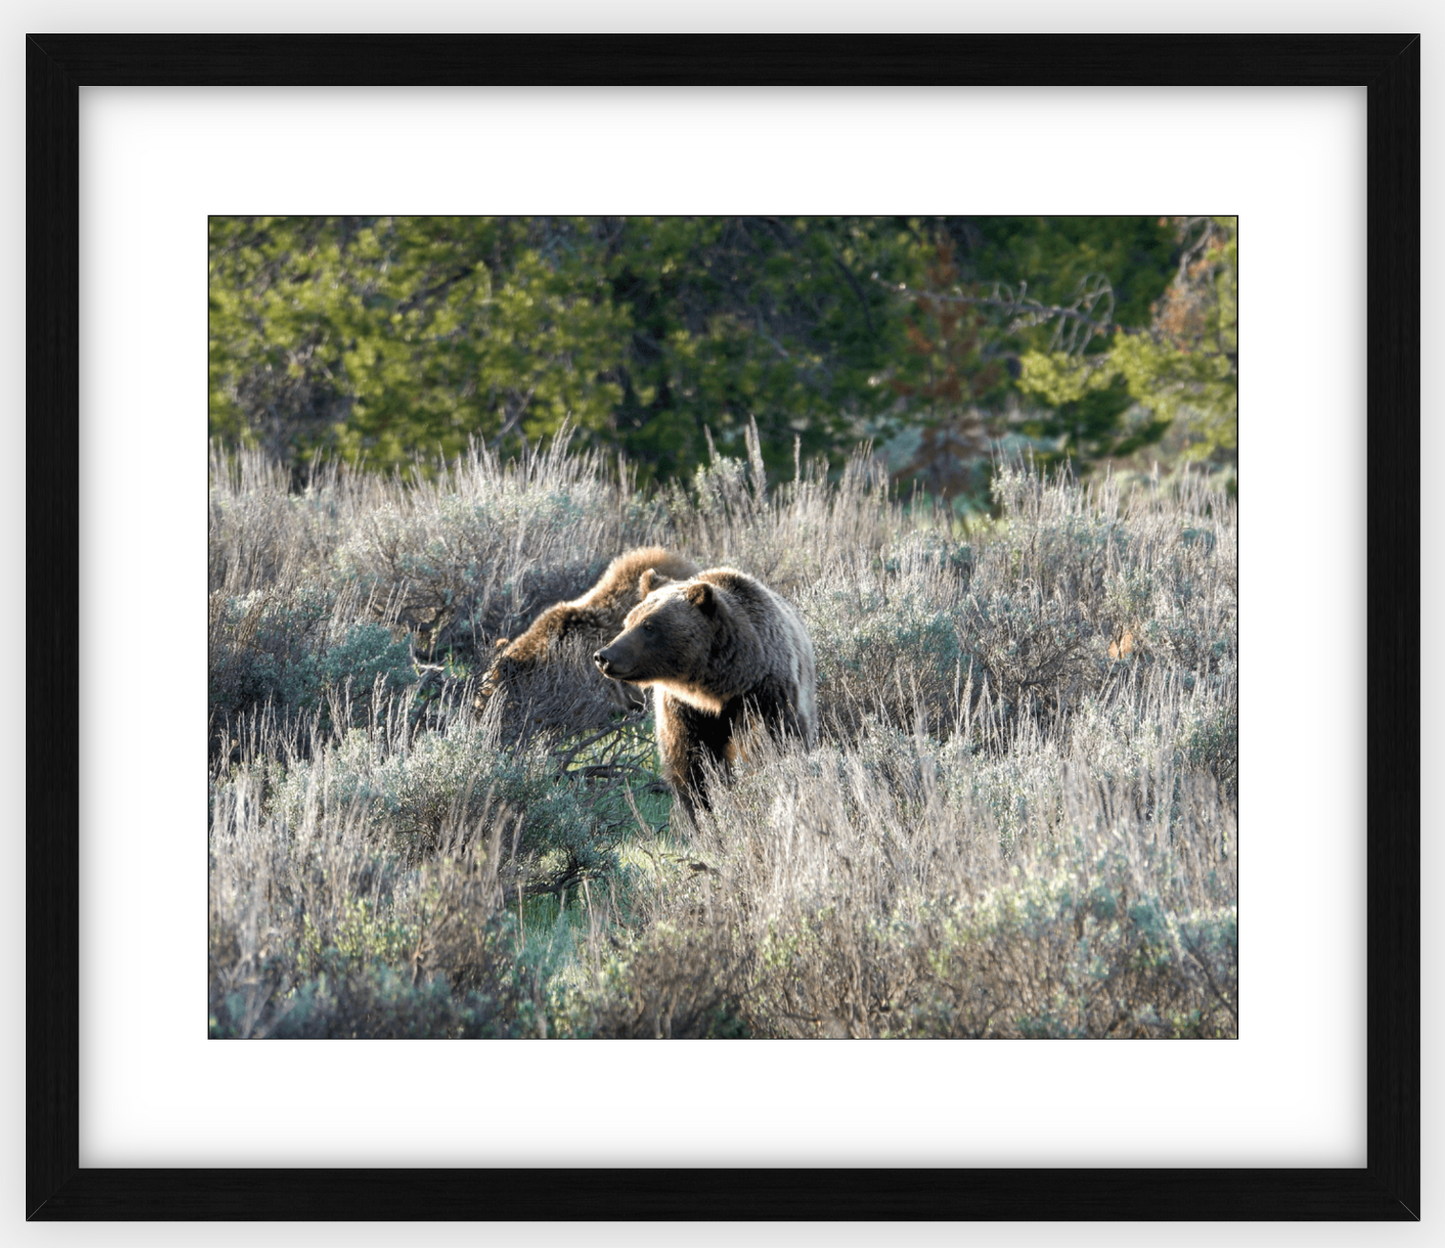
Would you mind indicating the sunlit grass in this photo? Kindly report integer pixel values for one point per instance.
(1019, 819)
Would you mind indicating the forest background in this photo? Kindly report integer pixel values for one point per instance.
(946, 342)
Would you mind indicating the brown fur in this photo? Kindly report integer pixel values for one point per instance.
(719, 647)
(593, 618)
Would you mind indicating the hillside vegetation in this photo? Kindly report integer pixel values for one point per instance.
(1019, 820)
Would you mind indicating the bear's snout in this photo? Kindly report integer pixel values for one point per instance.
(608, 662)
(618, 661)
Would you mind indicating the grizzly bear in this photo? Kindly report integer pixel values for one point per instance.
(721, 648)
(586, 622)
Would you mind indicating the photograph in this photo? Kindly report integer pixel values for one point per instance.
(731, 627)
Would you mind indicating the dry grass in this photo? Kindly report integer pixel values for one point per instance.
(1019, 820)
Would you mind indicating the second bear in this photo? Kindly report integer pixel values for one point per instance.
(592, 618)
(719, 647)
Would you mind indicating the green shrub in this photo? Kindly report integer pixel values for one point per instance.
(264, 647)
(444, 784)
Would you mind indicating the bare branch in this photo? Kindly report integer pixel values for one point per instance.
(1076, 323)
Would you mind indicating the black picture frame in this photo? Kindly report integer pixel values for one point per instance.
(1388, 1187)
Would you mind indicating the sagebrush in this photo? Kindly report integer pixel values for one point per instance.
(1019, 819)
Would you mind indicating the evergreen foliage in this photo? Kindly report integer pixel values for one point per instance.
(395, 342)
(1181, 369)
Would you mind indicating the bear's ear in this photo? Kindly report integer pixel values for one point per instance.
(501, 643)
(702, 597)
(651, 579)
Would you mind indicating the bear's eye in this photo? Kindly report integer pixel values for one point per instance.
(647, 626)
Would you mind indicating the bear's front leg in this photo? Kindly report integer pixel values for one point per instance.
(689, 739)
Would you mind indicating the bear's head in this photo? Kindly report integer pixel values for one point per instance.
(666, 637)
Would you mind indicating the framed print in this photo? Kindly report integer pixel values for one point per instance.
(78, 1043)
